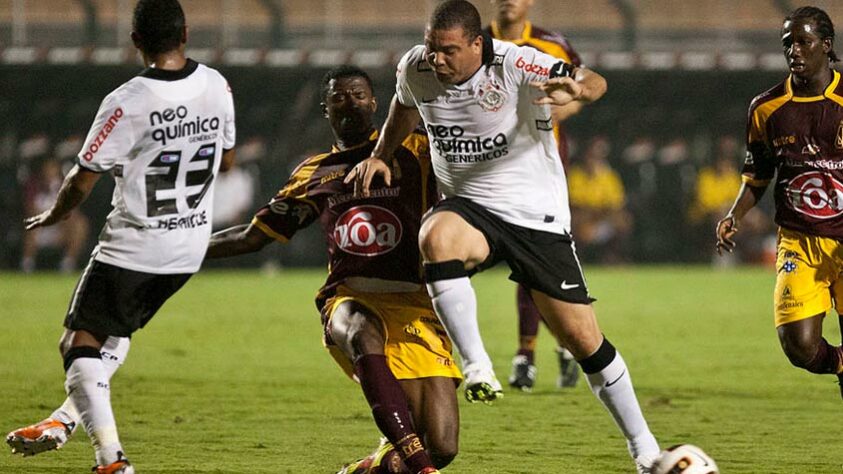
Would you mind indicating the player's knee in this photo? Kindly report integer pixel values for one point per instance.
(800, 352)
(435, 244)
(442, 452)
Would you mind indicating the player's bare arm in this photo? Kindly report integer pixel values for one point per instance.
(584, 86)
(564, 112)
(400, 122)
(74, 190)
(237, 240)
(228, 159)
(727, 227)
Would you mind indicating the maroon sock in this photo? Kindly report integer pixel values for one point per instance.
(528, 314)
(389, 407)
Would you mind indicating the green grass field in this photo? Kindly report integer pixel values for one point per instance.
(230, 377)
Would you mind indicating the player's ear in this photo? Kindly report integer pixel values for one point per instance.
(374, 105)
(324, 109)
(827, 45)
(184, 35)
(135, 39)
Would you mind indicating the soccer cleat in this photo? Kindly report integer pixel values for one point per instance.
(120, 466)
(370, 462)
(429, 470)
(45, 435)
(523, 375)
(644, 463)
(481, 385)
(569, 369)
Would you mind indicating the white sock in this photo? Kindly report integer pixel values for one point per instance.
(113, 353)
(456, 306)
(613, 386)
(88, 389)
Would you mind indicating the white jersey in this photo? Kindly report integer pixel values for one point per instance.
(489, 143)
(161, 136)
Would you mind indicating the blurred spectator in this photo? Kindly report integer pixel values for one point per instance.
(235, 190)
(40, 190)
(714, 192)
(598, 205)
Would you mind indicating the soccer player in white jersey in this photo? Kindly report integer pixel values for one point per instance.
(486, 106)
(163, 136)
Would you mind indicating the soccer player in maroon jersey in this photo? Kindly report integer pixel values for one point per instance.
(795, 137)
(511, 24)
(379, 323)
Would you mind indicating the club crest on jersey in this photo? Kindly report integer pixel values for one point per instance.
(490, 96)
(367, 231)
(816, 194)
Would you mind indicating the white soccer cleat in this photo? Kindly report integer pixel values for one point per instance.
(644, 463)
(481, 384)
(46, 435)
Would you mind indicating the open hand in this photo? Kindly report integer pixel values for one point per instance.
(560, 91)
(363, 173)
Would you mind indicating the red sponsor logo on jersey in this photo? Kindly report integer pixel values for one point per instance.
(537, 69)
(367, 231)
(816, 194)
(96, 144)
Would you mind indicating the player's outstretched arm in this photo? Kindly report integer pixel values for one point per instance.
(727, 227)
(399, 123)
(74, 190)
(585, 86)
(228, 159)
(237, 240)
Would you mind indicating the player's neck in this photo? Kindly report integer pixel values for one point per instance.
(169, 61)
(812, 86)
(512, 31)
(343, 143)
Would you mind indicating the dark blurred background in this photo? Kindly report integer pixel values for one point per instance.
(662, 149)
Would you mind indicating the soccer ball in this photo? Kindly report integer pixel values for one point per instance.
(684, 459)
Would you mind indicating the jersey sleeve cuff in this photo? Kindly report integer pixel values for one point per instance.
(83, 164)
(755, 182)
(268, 231)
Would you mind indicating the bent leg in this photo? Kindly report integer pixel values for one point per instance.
(605, 369)
(360, 336)
(433, 402)
(806, 348)
(87, 385)
(450, 247)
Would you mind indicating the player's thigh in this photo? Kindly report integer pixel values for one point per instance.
(446, 235)
(573, 324)
(807, 276)
(355, 329)
(433, 404)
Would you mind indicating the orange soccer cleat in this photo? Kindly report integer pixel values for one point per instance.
(45, 435)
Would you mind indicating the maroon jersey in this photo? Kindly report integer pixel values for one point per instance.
(798, 141)
(374, 237)
(555, 45)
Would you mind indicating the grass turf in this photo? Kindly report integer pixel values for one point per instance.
(230, 377)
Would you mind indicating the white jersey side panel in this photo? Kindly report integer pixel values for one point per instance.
(489, 142)
(162, 140)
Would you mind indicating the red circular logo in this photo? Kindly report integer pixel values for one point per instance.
(367, 231)
(816, 194)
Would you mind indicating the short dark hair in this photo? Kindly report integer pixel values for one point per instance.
(820, 19)
(159, 25)
(339, 72)
(457, 13)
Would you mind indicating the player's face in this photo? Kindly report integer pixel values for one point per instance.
(453, 56)
(806, 53)
(350, 106)
(511, 11)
